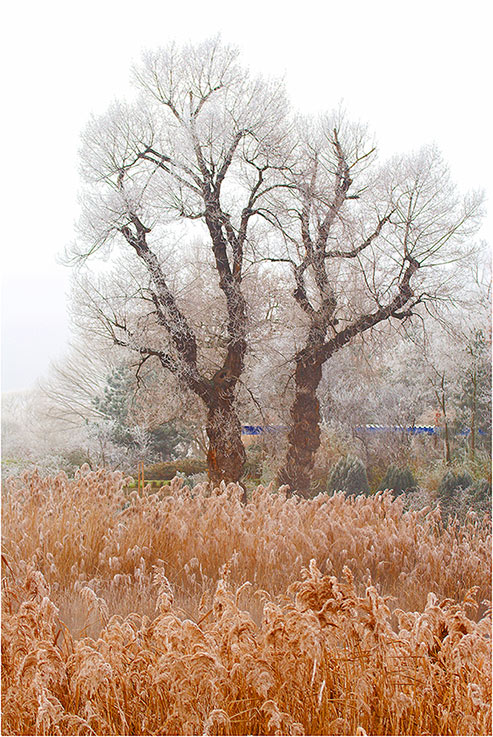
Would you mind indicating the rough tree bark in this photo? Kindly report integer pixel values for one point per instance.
(304, 432)
(226, 453)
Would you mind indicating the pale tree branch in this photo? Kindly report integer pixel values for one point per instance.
(365, 322)
(355, 251)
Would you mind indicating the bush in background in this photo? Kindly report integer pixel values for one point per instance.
(167, 470)
(459, 493)
(399, 481)
(349, 475)
(254, 463)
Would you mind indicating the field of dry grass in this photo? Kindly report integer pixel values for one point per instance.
(183, 612)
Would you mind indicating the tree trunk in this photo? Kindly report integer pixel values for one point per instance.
(472, 443)
(304, 435)
(442, 402)
(446, 442)
(226, 454)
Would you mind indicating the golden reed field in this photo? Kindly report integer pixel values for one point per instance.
(186, 612)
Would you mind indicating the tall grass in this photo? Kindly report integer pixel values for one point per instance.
(186, 612)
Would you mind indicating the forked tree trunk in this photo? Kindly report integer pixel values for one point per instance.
(304, 434)
(442, 402)
(226, 454)
(446, 442)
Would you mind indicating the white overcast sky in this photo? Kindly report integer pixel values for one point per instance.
(417, 72)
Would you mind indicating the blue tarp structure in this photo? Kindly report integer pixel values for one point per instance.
(259, 429)
(411, 429)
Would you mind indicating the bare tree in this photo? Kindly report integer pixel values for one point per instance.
(366, 245)
(73, 382)
(202, 145)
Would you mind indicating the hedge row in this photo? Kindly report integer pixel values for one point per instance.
(167, 470)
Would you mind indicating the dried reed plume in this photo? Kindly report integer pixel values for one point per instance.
(186, 612)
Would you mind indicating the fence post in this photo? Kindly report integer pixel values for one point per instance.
(140, 472)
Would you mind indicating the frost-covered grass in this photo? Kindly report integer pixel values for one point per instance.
(185, 612)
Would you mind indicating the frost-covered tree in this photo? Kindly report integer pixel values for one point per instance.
(367, 244)
(201, 145)
(473, 398)
(73, 382)
(31, 437)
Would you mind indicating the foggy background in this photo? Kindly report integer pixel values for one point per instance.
(416, 74)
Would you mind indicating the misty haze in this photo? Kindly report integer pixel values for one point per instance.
(246, 410)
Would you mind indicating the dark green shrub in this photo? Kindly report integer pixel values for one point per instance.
(168, 441)
(254, 462)
(349, 475)
(452, 484)
(399, 480)
(74, 459)
(477, 498)
(169, 469)
(458, 493)
(480, 490)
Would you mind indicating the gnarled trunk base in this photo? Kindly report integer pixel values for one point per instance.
(226, 454)
(304, 435)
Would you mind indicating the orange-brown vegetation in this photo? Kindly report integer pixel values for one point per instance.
(187, 612)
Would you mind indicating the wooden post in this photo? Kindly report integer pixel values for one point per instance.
(140, 481)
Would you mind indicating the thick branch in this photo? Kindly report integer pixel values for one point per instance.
(299, 293)
(355, 251)
(168, 312)
(404, 295)
(145, 351)
(343, 182)
(228, 159)
(168, 165)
